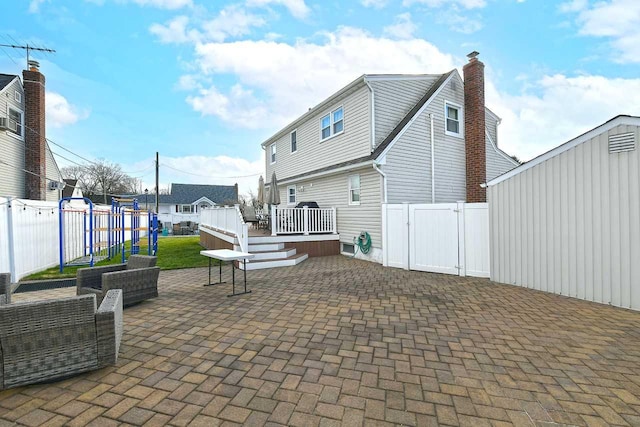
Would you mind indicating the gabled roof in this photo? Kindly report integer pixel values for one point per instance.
(391, 137)
(357, 83)
(186, 194)
(609, 124)
(6, 79)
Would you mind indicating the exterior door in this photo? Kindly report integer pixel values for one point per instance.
(433, 242)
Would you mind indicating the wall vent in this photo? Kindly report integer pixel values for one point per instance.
(622, 142)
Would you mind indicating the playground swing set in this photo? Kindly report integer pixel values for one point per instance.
(87, 236)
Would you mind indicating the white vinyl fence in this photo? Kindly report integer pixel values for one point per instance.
(228, 219)
(451, 238)
(29, 235)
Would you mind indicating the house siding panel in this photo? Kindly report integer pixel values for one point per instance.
(576, 236)
(498, 162)
(53, 174)
(394, 99)
(12, 178)
(408, 162)
(333, 191)
(313, 154)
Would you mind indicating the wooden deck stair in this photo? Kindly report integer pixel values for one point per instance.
(271, 255)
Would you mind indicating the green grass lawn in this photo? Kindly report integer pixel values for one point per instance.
(173, 253)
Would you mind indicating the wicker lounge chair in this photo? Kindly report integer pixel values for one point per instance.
(5, 288)
(138, 279)
(54, 339)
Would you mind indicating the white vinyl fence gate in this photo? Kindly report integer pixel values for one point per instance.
(451, 238)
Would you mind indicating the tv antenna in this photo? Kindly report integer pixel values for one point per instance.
(28, 48)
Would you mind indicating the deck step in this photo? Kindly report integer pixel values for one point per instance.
(278, 254)
(273, 263)
(261, 247)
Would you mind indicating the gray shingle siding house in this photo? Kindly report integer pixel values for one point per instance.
(25, 147)
(186, 200)
(384, 139)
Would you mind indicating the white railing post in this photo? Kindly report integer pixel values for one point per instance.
(273, 220)
(10, 236)
(461, 240)
(305, 220)
(334, 221)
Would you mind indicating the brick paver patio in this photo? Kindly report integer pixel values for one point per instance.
(338, 341)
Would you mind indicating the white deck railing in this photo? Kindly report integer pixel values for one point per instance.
(303, 220)
(228, 219)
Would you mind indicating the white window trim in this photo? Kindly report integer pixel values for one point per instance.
(295, 195)
(191, 207)
(351, 202)
(290, 141)
(271, 154)
(9, 132)
(17, 96)
(331, 123)
(460, 119)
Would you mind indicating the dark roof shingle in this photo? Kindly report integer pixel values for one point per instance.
(5, 79)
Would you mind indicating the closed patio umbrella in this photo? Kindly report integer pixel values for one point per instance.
(261, 198)
(274, 193)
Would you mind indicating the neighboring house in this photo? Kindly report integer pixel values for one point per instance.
(28, 169)
(185, 201)
(390, 139)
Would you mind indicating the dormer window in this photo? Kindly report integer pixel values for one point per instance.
(453, 117)
(17, 96)
(332, 124)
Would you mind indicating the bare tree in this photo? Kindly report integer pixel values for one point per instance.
(101, 178)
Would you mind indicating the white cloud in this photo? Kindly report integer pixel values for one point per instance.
(460, 23)
(232, 21)
(60, 112)
(218, 170)
(34, 5)
(164, 4)
(403, 27)
(466, 4)
(617, 20)
(297, 8)
(277, 81)
(175, 31)
(376, 4)
(559, 108)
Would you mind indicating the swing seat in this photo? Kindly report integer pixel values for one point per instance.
(138, 279)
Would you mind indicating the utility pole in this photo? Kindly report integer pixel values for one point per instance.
(157, 182)
(28, 48)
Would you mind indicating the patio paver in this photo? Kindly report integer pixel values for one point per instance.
(341, 341)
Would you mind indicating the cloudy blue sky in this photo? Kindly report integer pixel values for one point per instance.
(204, 82)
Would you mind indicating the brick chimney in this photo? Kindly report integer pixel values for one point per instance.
(474, 129)
(34, 132)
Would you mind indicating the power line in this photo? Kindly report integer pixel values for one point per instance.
(58, 145)
(209, 176)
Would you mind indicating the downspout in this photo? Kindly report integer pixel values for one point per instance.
(384, 182)
(372, 112)
(433, 161)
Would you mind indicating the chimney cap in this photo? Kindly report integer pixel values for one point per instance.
(33, 65)
(473, 55)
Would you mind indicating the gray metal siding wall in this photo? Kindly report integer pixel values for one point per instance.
(312, 154)
(12, 178)
(333, 191)
(497, 162)
(408, 162)
(53, 173)
(394, 99)
(570, 225)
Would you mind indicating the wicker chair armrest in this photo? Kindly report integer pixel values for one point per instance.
(92, 277)
(5, 288)
(109, 327)
(137, 285)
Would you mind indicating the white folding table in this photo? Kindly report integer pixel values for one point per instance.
(228, 255)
